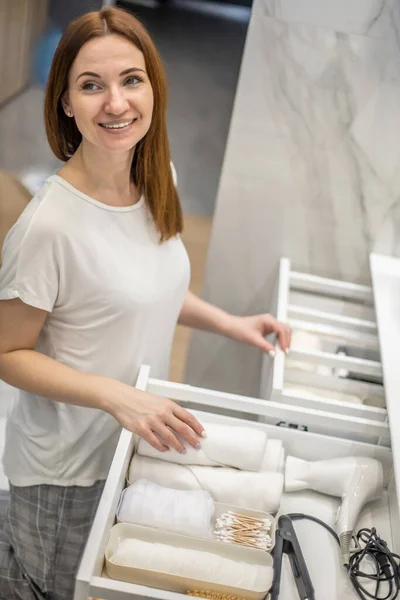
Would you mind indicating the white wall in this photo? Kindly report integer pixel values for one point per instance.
(312, 164)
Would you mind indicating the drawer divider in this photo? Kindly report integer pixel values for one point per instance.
(337, 361)
(318, 316)
(331, 287)
(338, 384)
(361, 339)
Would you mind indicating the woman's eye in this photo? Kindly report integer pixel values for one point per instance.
(90, 86)
(133, 80)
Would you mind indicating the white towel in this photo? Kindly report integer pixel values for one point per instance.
(246, 489)
(187, 512)
(192, 564)
(227, 446)
(274, 457)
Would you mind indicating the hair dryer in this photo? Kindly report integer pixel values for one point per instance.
(357, 480)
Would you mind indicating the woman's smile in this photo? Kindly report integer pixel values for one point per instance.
(117, 127)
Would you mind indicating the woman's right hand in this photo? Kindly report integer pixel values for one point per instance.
(156, 419)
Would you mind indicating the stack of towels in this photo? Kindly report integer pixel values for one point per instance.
(236, 465)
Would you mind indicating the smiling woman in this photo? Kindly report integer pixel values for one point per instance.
(106, 100)
(93, 281)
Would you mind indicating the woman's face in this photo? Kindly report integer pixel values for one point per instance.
(109, 93)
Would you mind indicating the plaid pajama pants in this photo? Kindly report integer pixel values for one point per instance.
(42, 539)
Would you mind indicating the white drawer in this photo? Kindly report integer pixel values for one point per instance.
(328, 316)
(329, 578)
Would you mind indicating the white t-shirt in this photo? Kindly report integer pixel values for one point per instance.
(113, 294)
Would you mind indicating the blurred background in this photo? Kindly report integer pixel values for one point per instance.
(201, 44)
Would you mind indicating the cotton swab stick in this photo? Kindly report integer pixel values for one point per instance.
(235, 528)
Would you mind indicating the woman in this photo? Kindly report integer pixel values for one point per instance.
(93, 281)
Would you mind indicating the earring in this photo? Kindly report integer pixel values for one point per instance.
(69, 113)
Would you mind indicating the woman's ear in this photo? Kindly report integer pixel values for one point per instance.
(66, 105)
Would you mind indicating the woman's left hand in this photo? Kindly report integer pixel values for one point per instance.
(253, 330)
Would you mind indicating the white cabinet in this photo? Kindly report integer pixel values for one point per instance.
(333, 431)
(334, 367)
(328, 576)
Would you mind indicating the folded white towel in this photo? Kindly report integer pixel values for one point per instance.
(246, 489)
(187, 512)
(192, 564)
(227, 446)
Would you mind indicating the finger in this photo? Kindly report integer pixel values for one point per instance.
(154, 441)
(169, 438)
(289, 336)
(284, 334)
(184, 431)
(184, 415)
(281, 333)
(267, 347)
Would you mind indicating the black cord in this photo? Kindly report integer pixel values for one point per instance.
(376, 551)
(300, 516)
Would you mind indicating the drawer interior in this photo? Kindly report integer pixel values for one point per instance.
(334, 365)
(319, 548)
(335, 347)
(341, 371)
(350, 309)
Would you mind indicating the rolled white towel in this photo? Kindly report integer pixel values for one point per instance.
(225, 445)
(187, 512)
(192, 564)
(246, 489)
(274, 457)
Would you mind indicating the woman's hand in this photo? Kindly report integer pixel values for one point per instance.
(157, 420)
(253, 330)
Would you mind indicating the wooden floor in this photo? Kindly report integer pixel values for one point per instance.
(196, 236)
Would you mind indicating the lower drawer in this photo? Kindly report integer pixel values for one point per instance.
(319, 549)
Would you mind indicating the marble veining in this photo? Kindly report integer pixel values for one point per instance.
(312, 164)
(335, 101)
(364, 17)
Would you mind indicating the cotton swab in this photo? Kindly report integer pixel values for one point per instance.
(235, 528)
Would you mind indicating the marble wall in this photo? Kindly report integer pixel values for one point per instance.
(312, 164)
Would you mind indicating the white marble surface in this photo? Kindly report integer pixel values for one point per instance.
(364, 17)
(312, 164)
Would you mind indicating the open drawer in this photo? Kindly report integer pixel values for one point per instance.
(320, 550)
(334, 364)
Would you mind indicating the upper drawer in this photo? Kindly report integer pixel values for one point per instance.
(334, 365)
(92, 581)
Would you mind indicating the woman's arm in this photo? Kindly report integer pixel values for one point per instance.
(198, 314)
(23, 367)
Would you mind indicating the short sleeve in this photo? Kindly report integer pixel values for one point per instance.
(30, 266)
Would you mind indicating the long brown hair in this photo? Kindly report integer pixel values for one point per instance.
(151, 168)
